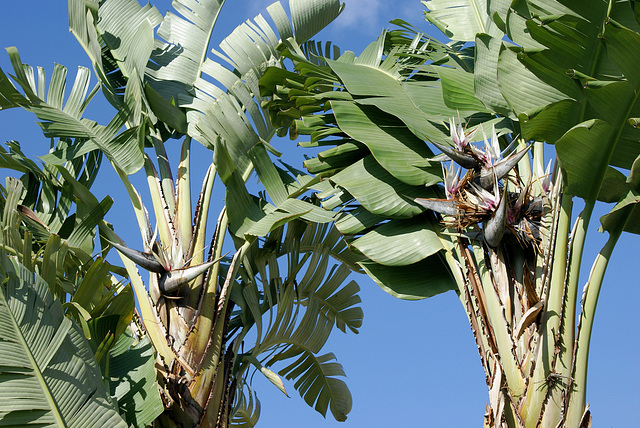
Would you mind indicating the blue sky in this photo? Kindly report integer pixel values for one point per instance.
(414, 364)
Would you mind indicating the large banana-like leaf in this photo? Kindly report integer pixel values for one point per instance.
(250, 216)
(461, 19)
(48, 374)
(60, 119)
(407, 282)
(135, 387)
(380, 164)
(337, 300)
(598, 87)
(304, 303)
(236, 120)
(228, 118)
(61, 251)
(54, 201)
(246, 411)
(315, 375)
(317, 382)
(177, 64)
(567, 76)
(311, 251)
(179, 59)
(387, 181)
(163, 88)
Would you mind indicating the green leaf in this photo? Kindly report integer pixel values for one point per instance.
(393, 146)
(307, 210)
(583, 152)
(127, 29)
(363, 80)
(458, 90)
(420, 280)
(58, 121)
(337, 300)
(412, 105)
(550, 123)
(247, 412)
(612, 220)
(165, 110)
(524, 90)
(485, 74)
(622, 46)
(356, 221)
(634, 175)
(614, 186)
(379, 192)
(183, 48)
(311, 16)
(88, 292)
(311, 286)
(132, 366)
(237, 117)
(48, 373)
(268, 174)
(461, 19)
(401, 242)
(317, 382)
(427, 96)
(10, 97)
(83, 234)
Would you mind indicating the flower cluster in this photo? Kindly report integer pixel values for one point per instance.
(481, 196)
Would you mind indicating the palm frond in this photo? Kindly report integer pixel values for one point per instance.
(317, 381)
(246, 412)
(59, 119)
(232, 114)
(38, 360)
(295, 311)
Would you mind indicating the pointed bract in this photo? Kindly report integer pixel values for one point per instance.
(442, 206)
(495, 226)
(465, 160)
(172, 280)
(145, 260)
(500, 169)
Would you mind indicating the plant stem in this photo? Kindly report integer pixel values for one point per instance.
(475, 310)
(183, 221)
(215, 349)
(565, 334)
(573, 277)
(166, 177)
(535, 396)
(498, 325)
(205, 321)
(578, 384)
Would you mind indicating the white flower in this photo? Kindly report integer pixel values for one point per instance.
(485, 199)
(451, 180)
(460, 138)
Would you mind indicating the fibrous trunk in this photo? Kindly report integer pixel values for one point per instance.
(518, 300)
